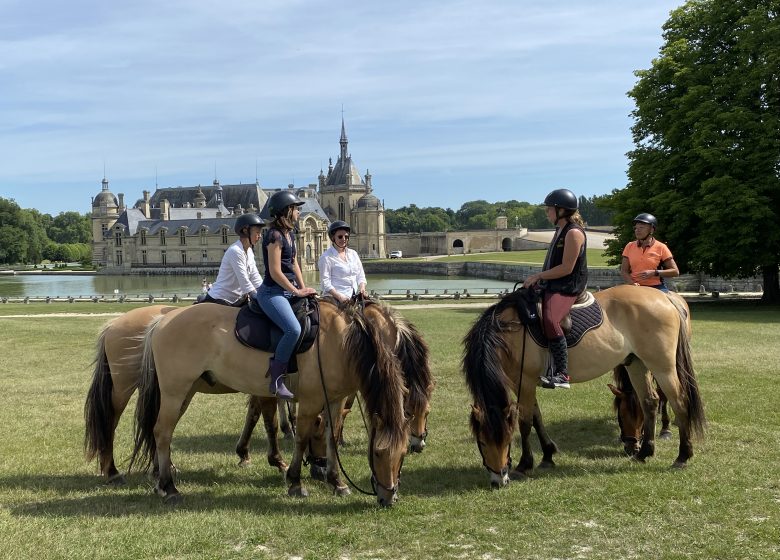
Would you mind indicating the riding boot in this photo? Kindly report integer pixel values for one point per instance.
(560, 355)
(276, 372)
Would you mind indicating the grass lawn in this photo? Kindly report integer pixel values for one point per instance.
(597, 504)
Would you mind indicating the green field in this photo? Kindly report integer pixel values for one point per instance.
(597, 504)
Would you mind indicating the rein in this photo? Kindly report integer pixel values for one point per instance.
(333, 435)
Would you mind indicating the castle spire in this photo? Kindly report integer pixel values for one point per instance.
(343, 140)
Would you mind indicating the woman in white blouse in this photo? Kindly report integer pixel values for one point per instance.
(341, 272)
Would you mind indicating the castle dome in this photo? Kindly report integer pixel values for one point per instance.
(369, 202)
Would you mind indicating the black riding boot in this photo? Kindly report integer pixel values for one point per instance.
(276, 372)
(560, 354)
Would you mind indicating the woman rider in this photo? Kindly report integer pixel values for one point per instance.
(282, 281)
(341, 271)
(564, 276)
(647, 261)
(238, 277)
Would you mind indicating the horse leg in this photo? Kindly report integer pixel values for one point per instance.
(167, 418)
(306, 423)
(287, 413)
(119, 400)
(675, 399)
(274, 455)
(332, 476)
(254, 408)
(648, 400)
(343, 413)
(526, 412)
(548, 445)
(666, 433)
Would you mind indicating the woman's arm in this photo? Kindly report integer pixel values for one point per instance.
(670, 269)
(625, 271)
(575, 240)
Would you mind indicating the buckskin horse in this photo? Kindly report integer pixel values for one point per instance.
(642, 328)
(117, 371)
(350, 354)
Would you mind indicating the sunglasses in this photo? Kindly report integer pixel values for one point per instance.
(345, 236)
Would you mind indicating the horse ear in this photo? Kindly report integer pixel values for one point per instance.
(615, 391)
(477, 413)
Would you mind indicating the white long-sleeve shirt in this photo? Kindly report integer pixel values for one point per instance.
(238, 274)
(343, 276)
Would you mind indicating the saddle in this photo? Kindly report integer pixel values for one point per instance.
(585, 314)
(255, 329)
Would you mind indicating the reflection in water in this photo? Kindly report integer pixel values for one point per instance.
(66, 285)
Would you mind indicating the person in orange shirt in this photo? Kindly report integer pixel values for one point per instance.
(647, 261)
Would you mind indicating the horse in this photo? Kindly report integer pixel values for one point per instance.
(629, 413)
(642, 328)
(117, 371)
(350, 353)
(413, 352)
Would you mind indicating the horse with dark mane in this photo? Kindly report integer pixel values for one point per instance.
(501, 358)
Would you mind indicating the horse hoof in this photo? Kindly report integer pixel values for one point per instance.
(244, 463)
(173, 499)
(342, 491)
(282, 468)
(519, 475)
(297, 492)
(116, 480)
(637, 458)
(665, 435)
(547, 465)
(679, 465)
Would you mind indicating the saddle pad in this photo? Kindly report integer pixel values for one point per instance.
(259, 332)
(583, 319)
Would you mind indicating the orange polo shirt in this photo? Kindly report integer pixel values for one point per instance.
(646, 258)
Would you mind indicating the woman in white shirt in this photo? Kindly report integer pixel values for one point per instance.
(341, 272)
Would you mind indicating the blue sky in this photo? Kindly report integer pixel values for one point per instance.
(444, 101)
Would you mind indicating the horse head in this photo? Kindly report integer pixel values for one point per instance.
(492, 429)
(630, 418)
(386, 452)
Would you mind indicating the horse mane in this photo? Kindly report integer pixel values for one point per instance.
(485, 377)
(623, 383)
(381, 379)
(413, 352)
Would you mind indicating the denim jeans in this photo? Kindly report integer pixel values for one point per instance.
(276, 305)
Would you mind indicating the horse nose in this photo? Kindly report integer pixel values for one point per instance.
(387, 502)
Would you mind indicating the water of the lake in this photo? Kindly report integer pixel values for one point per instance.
(63, 285)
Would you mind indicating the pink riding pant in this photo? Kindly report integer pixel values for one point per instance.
(554, 308)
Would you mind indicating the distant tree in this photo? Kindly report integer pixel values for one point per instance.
(707, 141)
(593, 212)
(70, 227)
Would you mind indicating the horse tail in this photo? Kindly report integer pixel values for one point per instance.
(697, 422)
(382, 382)
(99, 415)
(414, 354)
(485, 376)
(148, 405)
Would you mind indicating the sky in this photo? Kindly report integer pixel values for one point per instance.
(444, 101)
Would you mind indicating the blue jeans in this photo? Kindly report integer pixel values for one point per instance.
(276, 305)
(661, 287)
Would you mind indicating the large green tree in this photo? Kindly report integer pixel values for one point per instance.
(706, 131)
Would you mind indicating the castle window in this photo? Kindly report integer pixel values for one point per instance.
(203, 232)
(204, 256)
(118, 238)
(119, 258)
(144, 258)
(163, 258)
(162, 237)
(308, 253)
(184, 257)
(143, 237)
(342, 208)
(224, 235)
(182, 236)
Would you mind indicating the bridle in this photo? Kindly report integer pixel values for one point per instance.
(507, 465)
(374, 481)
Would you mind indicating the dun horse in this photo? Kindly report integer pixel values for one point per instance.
(115, 378)
(349, 355)
(642, 328)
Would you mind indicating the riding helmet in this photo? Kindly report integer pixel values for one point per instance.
(337, 225)
(281, 200)
(246, 221)
(562, 198)
(646, 218)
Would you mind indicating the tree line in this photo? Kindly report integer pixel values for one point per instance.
(29, 237)
(480, 214)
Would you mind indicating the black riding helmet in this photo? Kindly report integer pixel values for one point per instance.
(646, 218)
(337, 225)
(247, 221)
(280, 200)
(562, 198)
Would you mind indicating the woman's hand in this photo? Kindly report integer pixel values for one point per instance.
(305, 292)
(645, 274)
(532, 280)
